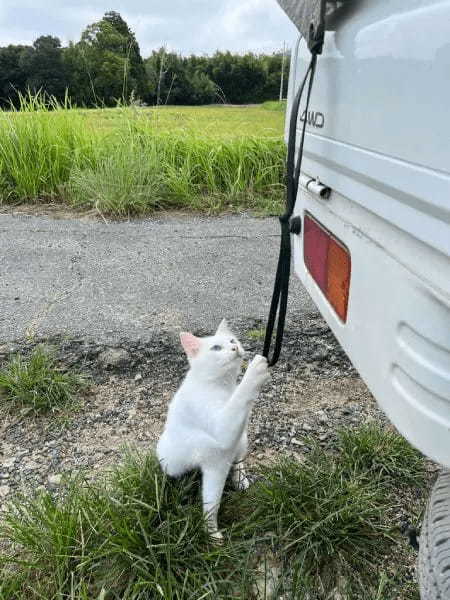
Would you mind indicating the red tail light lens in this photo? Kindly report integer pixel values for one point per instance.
(329, 264)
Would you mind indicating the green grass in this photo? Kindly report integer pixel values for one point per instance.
(127, 180)
(275, 105)
(318, 511)
(143, 171)
(36, 383)
(137, 535)
(331, 515)
(39, 148)
(257, 333)
(329, 524)
(383, 453)
(134, 535)
(129, 161)
(213, 122)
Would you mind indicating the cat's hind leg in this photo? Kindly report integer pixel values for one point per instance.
(212, 488)
(238, 474)
(174, 460)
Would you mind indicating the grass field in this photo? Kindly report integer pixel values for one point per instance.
(276, 105)
(130, 161)
(215, 121)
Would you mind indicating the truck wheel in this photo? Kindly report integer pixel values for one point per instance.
(434, 551)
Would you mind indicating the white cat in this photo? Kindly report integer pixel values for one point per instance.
(206, 425)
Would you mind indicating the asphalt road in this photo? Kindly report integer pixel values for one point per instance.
(85, 278)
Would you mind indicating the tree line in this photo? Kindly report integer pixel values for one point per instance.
(106, 67)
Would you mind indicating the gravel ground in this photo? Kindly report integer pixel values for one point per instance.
(314, 390)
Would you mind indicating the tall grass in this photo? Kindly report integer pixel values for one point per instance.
(125, 180)
(143, 171)
(48, 150)
(40, 144)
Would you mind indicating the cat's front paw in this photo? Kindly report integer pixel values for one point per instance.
(258, 371)
(216, 537)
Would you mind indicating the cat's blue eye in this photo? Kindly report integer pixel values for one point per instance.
(216, 347)
(233, 341)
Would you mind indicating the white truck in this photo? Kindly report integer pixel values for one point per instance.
(375, 254)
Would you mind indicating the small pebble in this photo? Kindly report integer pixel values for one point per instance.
(297, 442)
(55, 479)
(114, 357)
(4, 490)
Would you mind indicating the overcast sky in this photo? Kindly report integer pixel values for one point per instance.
(186, 26)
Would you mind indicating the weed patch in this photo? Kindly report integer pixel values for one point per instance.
(36, 383)
(257, 333)
(382, 455)
(135, 534)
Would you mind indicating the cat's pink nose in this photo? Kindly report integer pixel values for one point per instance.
(234, 348)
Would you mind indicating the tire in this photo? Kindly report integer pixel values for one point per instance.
(434, 550)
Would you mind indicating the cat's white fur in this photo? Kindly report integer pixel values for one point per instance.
(206, 425)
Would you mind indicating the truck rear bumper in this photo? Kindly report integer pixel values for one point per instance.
(397, 332)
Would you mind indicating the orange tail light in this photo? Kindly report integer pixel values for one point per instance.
(329, 263)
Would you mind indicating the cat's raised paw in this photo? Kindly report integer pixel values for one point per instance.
(258, 370)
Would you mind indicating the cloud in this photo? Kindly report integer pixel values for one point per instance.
(198, 26)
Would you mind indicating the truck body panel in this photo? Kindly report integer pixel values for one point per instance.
(378, 134)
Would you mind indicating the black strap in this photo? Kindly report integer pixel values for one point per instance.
(281, 285)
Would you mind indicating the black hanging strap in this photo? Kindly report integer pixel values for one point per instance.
(281, 285)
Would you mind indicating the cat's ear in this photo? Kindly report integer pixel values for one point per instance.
(223, 328)
(190, 343)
